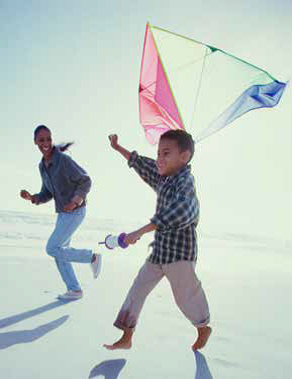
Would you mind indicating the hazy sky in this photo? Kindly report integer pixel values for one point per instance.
(74, 66)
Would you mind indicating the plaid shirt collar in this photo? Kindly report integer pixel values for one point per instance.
(171, 178)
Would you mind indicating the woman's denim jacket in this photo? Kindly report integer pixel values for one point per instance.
(61, 180)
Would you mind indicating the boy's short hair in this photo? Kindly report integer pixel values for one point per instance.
(184, 140)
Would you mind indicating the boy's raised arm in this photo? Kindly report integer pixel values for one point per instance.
(145, 167)
(114, 144)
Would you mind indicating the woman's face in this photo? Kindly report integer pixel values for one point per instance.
(44, 142)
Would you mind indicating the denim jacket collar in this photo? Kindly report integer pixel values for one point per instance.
(54, 158)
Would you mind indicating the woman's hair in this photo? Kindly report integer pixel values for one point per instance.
(61, 146)
(184, 140)
(64, 146)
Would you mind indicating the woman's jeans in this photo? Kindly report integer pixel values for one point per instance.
(58, 246)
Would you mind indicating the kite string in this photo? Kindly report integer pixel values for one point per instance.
(198, 88)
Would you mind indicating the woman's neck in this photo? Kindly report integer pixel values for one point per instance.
(48, 157)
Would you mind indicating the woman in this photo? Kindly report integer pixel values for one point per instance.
(68, 184)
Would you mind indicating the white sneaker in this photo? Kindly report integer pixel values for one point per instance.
(71, 295)
(96, 266)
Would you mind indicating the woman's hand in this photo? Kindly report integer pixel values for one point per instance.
(114, 141)
(70, 206)
(27, 196)
(76, 201)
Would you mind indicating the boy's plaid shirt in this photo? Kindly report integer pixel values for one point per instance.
(177, 211)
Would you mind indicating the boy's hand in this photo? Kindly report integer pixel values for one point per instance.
(132, 238)
(114, 141)
(114, 144)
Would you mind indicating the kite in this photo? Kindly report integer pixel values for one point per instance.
(189, 85)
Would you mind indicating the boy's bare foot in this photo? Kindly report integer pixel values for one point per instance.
(125, 342)
(203, 336)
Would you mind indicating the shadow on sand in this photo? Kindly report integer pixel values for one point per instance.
(108, 369)
(25, 315)
(24, 336)
(203, 371)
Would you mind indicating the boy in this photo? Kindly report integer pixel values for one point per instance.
(174, 250)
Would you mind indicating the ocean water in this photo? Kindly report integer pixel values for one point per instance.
(25, 229)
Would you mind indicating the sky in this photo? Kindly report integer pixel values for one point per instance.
(74, 66)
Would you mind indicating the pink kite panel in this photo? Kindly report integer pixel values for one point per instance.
(158, 110)
(164, 96)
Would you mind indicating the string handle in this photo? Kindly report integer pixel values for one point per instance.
(111, 242)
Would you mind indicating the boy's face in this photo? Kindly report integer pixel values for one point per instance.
(170, 160)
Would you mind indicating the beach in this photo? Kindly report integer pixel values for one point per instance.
(247, 284)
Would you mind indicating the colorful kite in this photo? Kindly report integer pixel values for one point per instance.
(186, 84)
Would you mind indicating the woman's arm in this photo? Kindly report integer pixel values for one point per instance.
(37, 199)
(77, 176)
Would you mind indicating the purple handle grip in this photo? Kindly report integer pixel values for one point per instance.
(121, 242)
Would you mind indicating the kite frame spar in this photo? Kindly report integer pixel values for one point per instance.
(158, 105)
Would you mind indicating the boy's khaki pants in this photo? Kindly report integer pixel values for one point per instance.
(187, 290)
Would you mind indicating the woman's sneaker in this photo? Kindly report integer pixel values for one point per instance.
(96, 265)
(71, 295)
